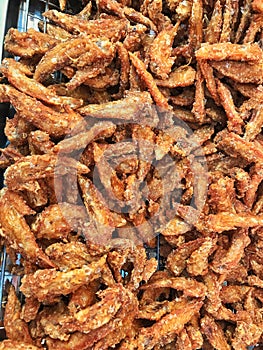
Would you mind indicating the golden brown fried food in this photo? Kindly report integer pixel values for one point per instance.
(81, 341)
(29, 43)
(149, 81)
(235, 52)
(69, 256)
(182, 76)
(98, 314)
(39, 142)
(197, 264)
(47, 284)
(127, 109)
(58, 220)
(3, 94)
(111, 28)
(168, 326)
(30, 309)
(195, 25)
(104, 80)
(15, 328)
(54, 31)
(189, 286)
(177, 259)
(65, 53)
(62, 4)
(36, 167)
(226, 221)
(13, 344)
(199, 104)
(55, 123)
(214, 333)
(160, 52)
(81, 140)
(125, 11)
(152, 230)
(241, 72)
(213, 30)
(13, 71)
(16, 230)
(237, 147)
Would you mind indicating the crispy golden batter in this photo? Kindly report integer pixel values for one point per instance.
(58, 220)
(111, 28)
(182, 76)
(241, 72)
(35, 167)
(13, 71)
(127, 109)
(149, 81)
(15, 327)
(47, 284)
(190, 287)
(81, 341)
(98, 314)
(29, 43)
(62, 4)
(13, 344)
(16, 230)
(81, 140)
(54, 31)
(81, 51)
(68, 256)
(235, 52)
(168, 326)
(213, 30)
(214, 333)
(55, 123)
(135, 230)
(30, 309)
(125, 11)
(97, 207)
(39, 142)
(195, 25)
(160, 52)
(236, 146)
(197, 264)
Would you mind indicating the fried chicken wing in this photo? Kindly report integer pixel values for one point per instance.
(16, 230)
(46, 284)
(58, 220)
(16, 328)
(56, 124)
(36, 167)
(111, 28)
(27, 44)
(13, 71)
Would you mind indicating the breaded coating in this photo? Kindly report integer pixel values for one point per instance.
(16, 231)
(36, 167)
(55, 123)
(13, 71)
(113, 29)
(13, 344)
(58, 220)
(47, 284)
(15, 328)
(29, 43)
(235, 52)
